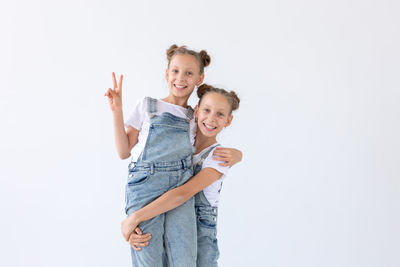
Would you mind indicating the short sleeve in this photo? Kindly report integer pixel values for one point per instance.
(209, 162)
(136, 117)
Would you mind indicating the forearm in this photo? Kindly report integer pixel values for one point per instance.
(164, 203)
(121, 138)
(176, 196)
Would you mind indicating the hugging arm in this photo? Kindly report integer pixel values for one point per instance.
(168, 201)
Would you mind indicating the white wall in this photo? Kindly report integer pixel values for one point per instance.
(318, 124)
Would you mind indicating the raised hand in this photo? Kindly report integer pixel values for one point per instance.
(115, 95)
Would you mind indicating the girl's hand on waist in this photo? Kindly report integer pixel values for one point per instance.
(137, 239)
(230, 156)
(115, 95)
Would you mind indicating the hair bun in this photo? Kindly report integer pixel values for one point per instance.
(236, 100)
(202, 89)
(171, 51)
(205, 58)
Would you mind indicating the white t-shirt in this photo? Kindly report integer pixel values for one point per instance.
(211, 192)
(140, 120)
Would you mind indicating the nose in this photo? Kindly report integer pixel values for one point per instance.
(181, 76)
(213, 116)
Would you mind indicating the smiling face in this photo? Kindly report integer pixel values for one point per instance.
(213, 114)
(182, 75)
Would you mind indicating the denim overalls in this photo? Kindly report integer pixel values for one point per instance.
(207, 246)
(165, 163)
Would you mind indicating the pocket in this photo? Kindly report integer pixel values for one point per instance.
(138, 177)
(208, 221)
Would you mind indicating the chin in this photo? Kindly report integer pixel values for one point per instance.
(208, 134)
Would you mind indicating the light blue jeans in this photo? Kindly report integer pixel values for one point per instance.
(207, 244)
(165, 163)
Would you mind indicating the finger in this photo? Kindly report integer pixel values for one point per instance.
(218, 158)
(112, 92)
(109, 92)
(114, 80)
(226, 153)
(139, 238)
(224, 164)
(145, 244)
(221, 153)
(135, 248)
(222, 149)
(119, 88)
(138, 243)
(138, 231)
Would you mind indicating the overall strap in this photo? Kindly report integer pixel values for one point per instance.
(189, 112)
(152, 105)
(205, 155)
(200, 198)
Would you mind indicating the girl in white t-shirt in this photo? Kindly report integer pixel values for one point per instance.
(159, 134)
(213, 113)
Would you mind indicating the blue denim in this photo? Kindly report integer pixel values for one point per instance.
(207, 244)
(165, 163)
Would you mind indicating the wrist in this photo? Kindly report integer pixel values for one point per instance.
(133, 219)
(117, 111)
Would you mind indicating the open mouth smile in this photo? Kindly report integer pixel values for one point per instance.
(209, 127)
(180, 87)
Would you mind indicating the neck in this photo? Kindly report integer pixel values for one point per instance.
(176, 100)
(202, 141)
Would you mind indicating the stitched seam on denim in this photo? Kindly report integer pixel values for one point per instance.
(169, 249)
(185, 128)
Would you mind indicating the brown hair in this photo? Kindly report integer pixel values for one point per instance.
(232, 97)
(202, 57)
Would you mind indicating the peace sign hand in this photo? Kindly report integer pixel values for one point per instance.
(114, 95)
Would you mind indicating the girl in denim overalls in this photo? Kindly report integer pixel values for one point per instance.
(161, 133)
(213, 113)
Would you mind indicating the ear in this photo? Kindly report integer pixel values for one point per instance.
(200, 81)
(166, 74)
(229, 121)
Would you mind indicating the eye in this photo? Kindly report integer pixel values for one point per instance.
(206, 110)
(189, 73)
(175, 71)
(220, 114)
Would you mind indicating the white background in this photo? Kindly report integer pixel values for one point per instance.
(318, 125)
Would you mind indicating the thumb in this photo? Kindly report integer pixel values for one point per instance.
(138, 231)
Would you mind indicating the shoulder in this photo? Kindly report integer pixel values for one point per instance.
(143, 103)
(139, 109)
(210, 162)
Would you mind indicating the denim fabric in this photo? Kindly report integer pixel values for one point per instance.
(207, 244)
(165, 163)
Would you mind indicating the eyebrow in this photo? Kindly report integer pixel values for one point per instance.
(219, 109)
(175, 66)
